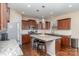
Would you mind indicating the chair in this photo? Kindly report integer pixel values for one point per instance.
(35, 43)
(42, 47)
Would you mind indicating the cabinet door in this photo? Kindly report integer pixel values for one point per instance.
(32, 23)
(3, 16)
(4, 20)
(40, 25)
(64, 24)
(65, 41)
(47, 25)
(58, 45)
(25, 25)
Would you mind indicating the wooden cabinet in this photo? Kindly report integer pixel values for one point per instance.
(65, 49)
(47, 25)
(4, 16)
(26, 39)
(58, 45)
(65, 41)
(26, 24)
(40, 25)
(64, 24)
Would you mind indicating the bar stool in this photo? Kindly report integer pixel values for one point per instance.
(42, 48)
(35, 43)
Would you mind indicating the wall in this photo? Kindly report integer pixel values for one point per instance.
(14, 26)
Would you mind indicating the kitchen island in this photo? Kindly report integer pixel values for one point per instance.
(49, 40)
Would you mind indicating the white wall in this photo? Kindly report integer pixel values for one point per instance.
(15, 26)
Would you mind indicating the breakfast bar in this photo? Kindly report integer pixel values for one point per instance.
(48, 39)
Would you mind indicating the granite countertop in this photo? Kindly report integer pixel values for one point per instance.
(57, 35)
(45, 37)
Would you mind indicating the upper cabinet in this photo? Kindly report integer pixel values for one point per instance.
(24, 24)
(40, 25)
(46, 26)
(4, 16)
(64, 24)
(27, 24)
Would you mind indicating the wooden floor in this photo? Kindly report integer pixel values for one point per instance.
(29, 51)
(68, 52)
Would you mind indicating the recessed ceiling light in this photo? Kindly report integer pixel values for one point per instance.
(69, 6)
(43, 6)
(28, 5)
(37, 10)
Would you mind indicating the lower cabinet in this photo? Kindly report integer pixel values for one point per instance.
(26, 39)
(57, 45)
(63, 42)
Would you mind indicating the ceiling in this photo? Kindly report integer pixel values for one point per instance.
(45, 10)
